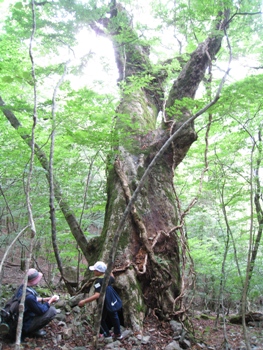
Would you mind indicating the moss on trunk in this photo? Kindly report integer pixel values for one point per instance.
(147, 264)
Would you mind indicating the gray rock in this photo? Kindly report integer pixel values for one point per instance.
(66, 347)
(173, 346)
(135, 341)
(146, 339)
(67, 333)
(185, 344)
(127, 333)
(201, 346)
(76, 309)
(115, 345)
(61, 317)
(73, 301)
(176, 326)
(177, 329)
(60, 304)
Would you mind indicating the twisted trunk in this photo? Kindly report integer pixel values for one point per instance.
(147, 265)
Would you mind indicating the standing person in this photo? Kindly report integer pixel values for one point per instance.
(99, 270)
(38, 311)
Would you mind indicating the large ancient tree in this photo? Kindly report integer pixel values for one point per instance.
(147, 263)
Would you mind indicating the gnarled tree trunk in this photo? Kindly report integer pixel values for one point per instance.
(147, 265)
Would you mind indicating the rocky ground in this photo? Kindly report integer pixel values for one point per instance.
(72, 332)
(156, 335)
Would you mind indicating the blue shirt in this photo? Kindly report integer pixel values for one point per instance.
(32, 307)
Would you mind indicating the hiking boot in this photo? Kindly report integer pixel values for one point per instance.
(40, 333)
(118, 337)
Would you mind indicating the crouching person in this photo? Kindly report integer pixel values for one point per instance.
(38, 311)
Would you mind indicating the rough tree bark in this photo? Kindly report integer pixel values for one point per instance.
(147, 265)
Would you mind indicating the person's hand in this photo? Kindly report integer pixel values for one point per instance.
(53, 299)
(81, 303)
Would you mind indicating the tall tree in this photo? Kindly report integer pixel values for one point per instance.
(148, 253)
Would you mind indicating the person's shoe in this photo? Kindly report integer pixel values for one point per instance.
(118, 336)
(40, 333)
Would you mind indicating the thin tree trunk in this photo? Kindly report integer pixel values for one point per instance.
(64, 206)
(51, 186)
(248, 269)
(258, 207)
(257, 194)
(223, 276)
(27, 189)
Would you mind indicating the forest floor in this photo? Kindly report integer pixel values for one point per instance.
(207, 335)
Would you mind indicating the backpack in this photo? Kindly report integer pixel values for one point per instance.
(9, 316)
(112, 301)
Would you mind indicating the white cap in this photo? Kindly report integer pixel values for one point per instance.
(99, 266)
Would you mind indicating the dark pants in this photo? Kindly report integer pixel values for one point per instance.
(39, 322)
(114, 320)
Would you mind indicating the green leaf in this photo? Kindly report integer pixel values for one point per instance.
(7, 79)
(18, 5)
